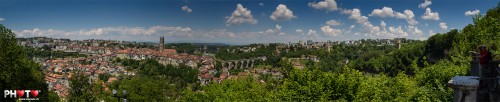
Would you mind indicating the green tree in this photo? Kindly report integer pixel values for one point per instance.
(241, 89)
(149, 89)
(17, 71)
(314, 85)
(435, 77)
(81, 89)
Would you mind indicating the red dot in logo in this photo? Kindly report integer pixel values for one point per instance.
(20, 93)
(34, 93)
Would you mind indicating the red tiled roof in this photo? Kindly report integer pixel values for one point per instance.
(169, 51)
(110, 80)
(205, 76)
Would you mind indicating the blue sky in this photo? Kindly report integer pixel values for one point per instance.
(238, 21)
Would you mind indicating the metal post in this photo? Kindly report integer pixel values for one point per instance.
(118, 97)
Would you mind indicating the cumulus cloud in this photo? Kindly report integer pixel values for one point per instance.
(261, 4)
(2, 19)
(240, 16)
(328, 5)
(381, 31)
(40, 32)
(333, 23)
(384, 12)
(276, 30)
(415, 31)
(355, 14)
(388, 12)
(311, 32)
(425, 4)
(299, 31)
(186, 9)
(443, 26)
(382, 25)
(282, 13)
(134, 31)
(397, 31)
(327, 30)
(431, 32)
(281, 33)
(220, 33)
(471, 13)
(429, 15)
(409, 16)
(352, 26)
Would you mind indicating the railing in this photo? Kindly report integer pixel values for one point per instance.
(488, 82)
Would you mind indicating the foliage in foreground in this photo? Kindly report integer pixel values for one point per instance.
(347, 85)
(17, 71)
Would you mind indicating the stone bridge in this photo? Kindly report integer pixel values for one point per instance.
(313, 58)
(239, 64)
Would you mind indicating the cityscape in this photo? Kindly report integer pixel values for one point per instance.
(101, 56)
(244, 50)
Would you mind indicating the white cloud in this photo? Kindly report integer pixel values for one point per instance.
(471, 13)
(330, 31)
(133, 31)
(177, 34)
(381, 31)
(352, 26)
(429, 15)
(388, 12)
(397, 32)
(431, 32)
(299, 31)
(415, 31)
(261, 4)
(40, 32)
(355, 14)
(443, 26)
(220, 33)
(282, 13)
(409, 16)
(186, 9)
(2, 19)
(328, 5)
(425, 4)
(382, 25)
(333, 23)
(384, 12)
(311, 32)
(240, 16)
(276, 30)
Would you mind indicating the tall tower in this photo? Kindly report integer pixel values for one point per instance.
(328, 48)
(301, 43)
(205, 49)
(162, 41)
(399, 43)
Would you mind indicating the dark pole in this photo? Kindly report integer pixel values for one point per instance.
(114, 95)
(124, 95)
